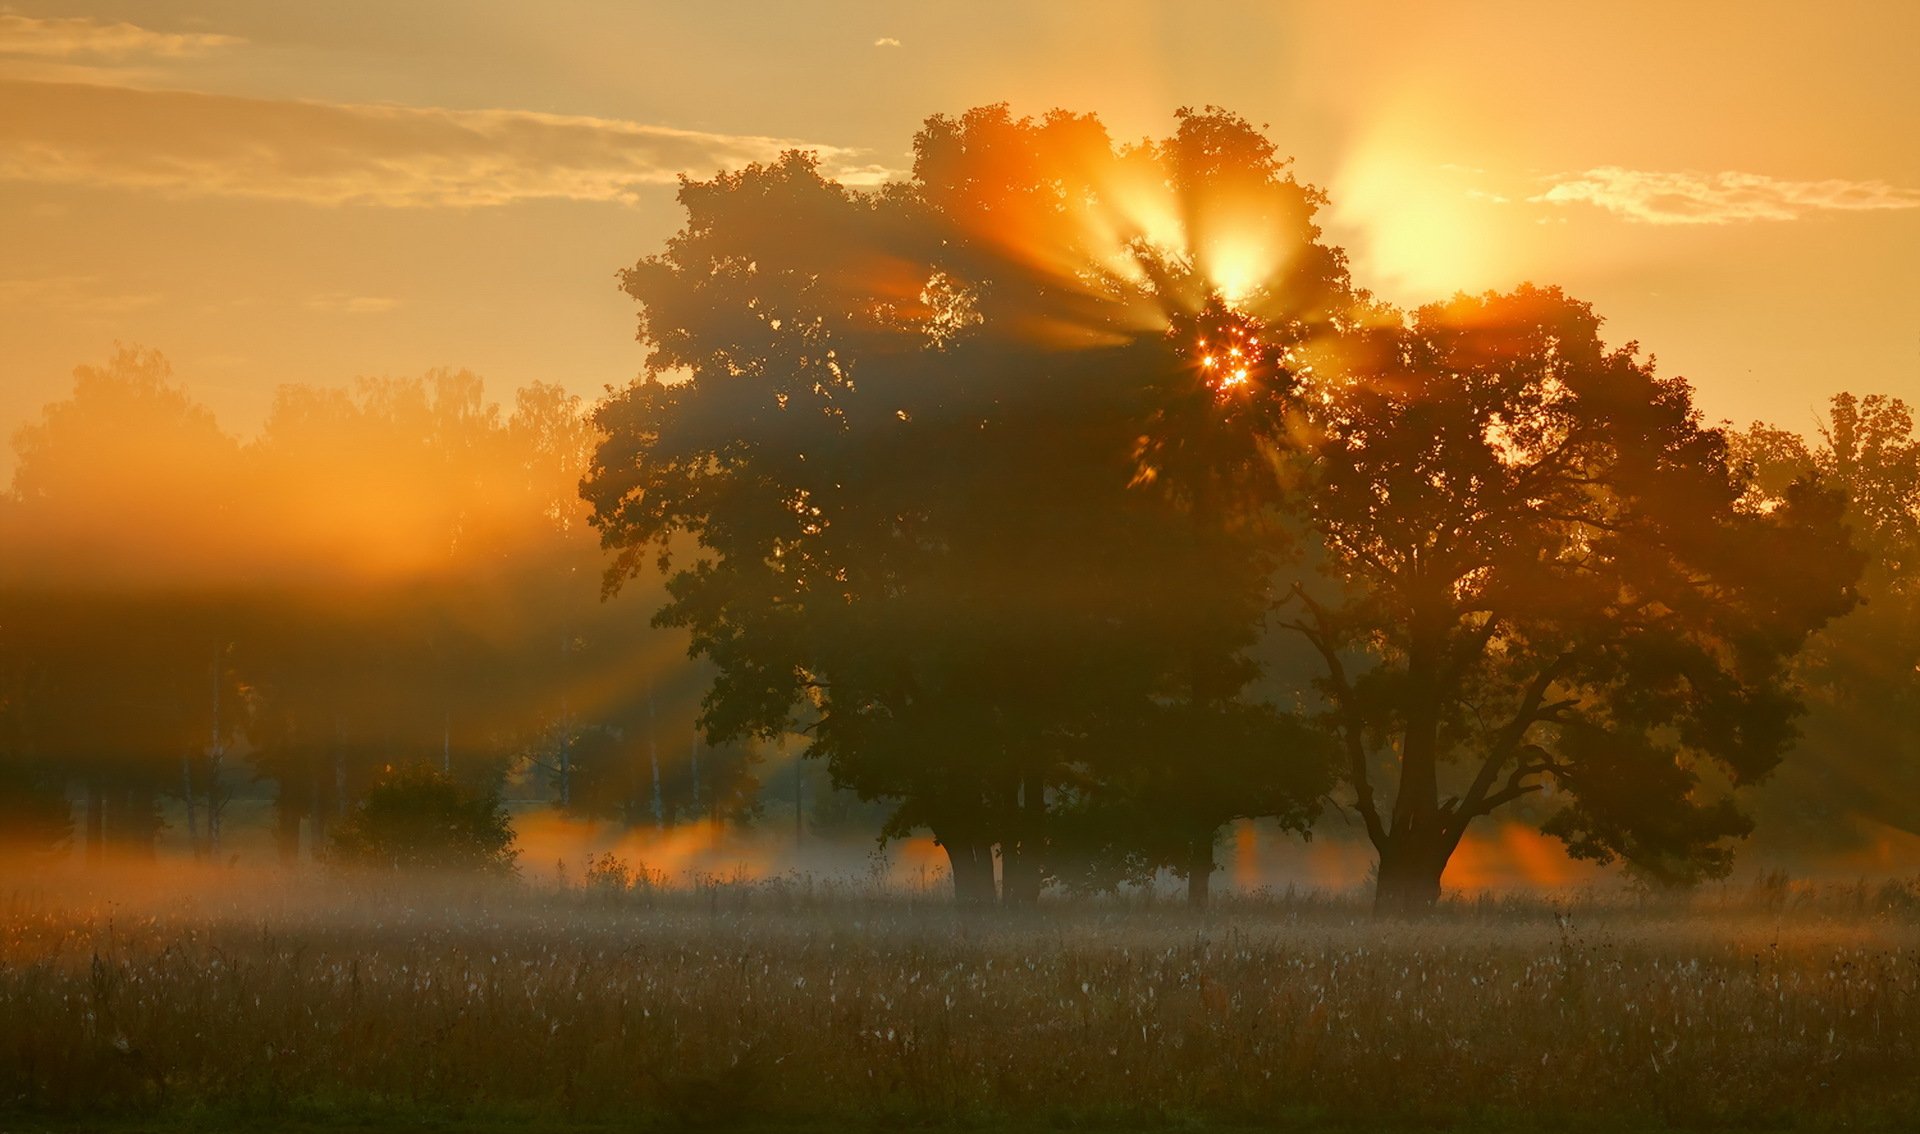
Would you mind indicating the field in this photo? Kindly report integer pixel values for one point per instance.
(316, 1001)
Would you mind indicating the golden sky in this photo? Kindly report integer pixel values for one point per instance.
(296, 192)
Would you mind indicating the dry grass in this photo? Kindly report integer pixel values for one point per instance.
(796, 1001)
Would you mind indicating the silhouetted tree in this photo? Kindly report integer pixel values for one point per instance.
(930, 468)
(1541, 572)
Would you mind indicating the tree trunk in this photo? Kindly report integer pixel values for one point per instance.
(1200, 870)
(214, 802)
(136, 825)
(217, 799)
(193, 812)
(96, 823)
(1409, 881)
(693, 775)
(339, 782)
(1022, 858)
(317, 806)
(1415, 849)
(286, 830)
(653, 760)
(972, 866)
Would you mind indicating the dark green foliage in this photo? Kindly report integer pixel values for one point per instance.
(419, 818)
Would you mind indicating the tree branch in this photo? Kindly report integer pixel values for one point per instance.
(1533, 709)
(1516, 785)
(1352, 726)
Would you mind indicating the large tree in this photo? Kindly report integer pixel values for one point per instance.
(1539, 573)
(954, 478)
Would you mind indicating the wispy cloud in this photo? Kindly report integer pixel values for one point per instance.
(193, 144)
(1653, 197)
(886, 41)
(80, 37)
(353, 304)
(73, 295)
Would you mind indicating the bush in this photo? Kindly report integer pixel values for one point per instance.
(421, 818)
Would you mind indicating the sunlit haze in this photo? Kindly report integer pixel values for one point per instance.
(277, 193)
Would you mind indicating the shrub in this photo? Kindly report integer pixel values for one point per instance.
(421, 818)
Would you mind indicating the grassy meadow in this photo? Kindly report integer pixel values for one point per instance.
(313, 1000)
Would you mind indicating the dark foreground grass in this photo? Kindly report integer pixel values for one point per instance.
(319, 1007)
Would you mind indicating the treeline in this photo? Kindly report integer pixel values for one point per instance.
(395, 574)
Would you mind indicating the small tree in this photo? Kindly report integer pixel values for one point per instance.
(418, 817)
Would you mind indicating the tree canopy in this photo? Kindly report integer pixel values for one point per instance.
(961, 481)
(1541, 571)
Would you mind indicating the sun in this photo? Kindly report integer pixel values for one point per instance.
(1227, 349)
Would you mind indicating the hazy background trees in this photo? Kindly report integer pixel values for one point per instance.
(393, 574)
(1858, 757)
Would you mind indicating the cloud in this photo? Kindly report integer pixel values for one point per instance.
(353, 304)
(193, 144)
(77, 37)
(72, 295)
(863, 176)
(886, 41)
(1718, 198)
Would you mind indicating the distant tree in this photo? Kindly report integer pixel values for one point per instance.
(420, 818)
(111, 589)
(422, 604)
(35, 815)
(929, 474)
(648, 766)
(1539, 570)
(1859, 753)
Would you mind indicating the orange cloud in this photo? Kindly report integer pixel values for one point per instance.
(1654, 197)
(72, 37)
(73, 295)
(192, 144)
